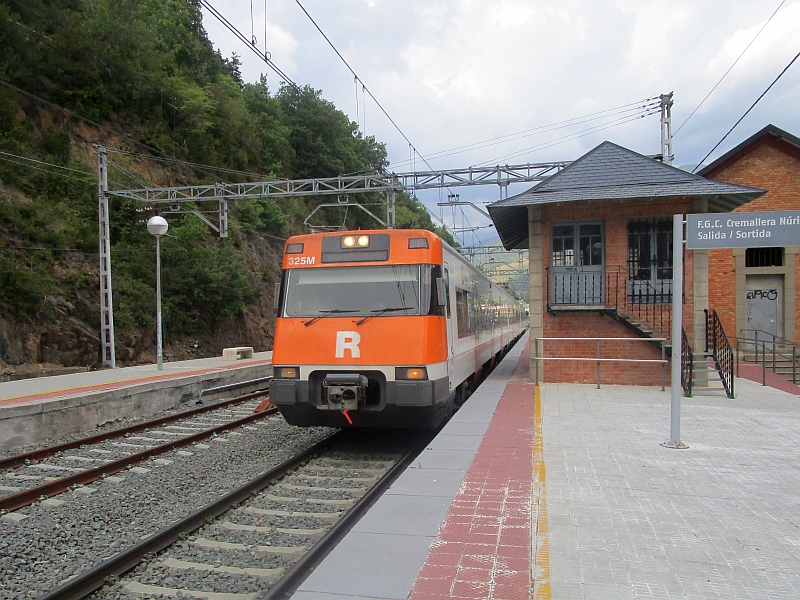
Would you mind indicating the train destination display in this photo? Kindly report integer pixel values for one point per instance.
(743, 230)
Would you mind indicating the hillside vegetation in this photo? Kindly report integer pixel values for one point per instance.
(142, 78)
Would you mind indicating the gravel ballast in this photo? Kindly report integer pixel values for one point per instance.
(56, 542)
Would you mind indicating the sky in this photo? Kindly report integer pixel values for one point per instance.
(453, 73)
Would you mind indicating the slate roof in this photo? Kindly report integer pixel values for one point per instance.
(611, 172)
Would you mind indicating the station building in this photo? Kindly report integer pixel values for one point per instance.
(599, 235)
(756, 288)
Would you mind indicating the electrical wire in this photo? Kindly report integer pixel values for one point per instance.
(371, 95)
(643, 105)
(128, 173)
(764, 93)
(47, 164)
(190, 164)
(202, 168)
(16, 160)
(729, 68)
(570, 137)
(262, 55)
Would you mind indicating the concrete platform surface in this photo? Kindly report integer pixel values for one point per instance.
(41, 410)
(627, 518)
(65, 385)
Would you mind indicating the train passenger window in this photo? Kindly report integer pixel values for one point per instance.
(462, 313)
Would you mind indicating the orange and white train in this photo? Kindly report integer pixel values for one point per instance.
(387, 328)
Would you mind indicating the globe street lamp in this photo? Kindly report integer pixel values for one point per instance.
(158, 226)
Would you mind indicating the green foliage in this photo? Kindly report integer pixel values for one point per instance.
(262, 214)
(147, 68)
(202, 285)
(24, 285)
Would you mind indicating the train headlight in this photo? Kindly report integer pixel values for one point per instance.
(363, 241)
(287, 373)
(348, 241)
(414, 373)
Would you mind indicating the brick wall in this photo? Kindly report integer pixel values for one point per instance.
(614, 215)
(770, 164)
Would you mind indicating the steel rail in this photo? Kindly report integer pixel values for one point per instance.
(298, 573)
(42, 453)
(89, 581)
(26, 497)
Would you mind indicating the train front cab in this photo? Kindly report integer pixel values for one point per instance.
(361, 337)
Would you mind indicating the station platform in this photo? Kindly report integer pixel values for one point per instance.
(567, 493)
(37, 409)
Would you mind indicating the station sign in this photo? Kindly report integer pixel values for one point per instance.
(743, 230)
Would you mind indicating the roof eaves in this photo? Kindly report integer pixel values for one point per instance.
(770, 129)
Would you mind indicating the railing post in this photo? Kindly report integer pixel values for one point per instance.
(598, 364)
(773, 354)
(536, 358)
(755, 345)
(794, 367)
(663, 366)
(738, 350)
(764, 363)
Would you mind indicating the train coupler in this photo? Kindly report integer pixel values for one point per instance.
(343, 391)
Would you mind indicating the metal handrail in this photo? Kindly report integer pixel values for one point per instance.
(756, 343)
(687, 364)
(720, 347)
(651, 307)
(663, 361)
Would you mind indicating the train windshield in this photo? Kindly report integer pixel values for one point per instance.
(377, 291)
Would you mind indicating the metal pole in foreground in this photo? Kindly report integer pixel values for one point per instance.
(157, 226)
(677, 329)
(159, 339)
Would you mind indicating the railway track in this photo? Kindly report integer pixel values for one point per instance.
(261, 539)
(47, 472)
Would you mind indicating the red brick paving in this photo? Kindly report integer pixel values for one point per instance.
(483, 549)
(756, 373)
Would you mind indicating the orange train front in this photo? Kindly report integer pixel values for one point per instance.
(387, 328)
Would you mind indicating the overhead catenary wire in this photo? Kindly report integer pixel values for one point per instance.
(764, 93)
(643, 105)
(264, 56)
(729, 69)
(570, 137)
(374, 99)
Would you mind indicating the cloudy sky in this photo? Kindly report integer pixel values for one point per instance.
(538, 74)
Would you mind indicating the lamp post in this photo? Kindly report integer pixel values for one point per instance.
(158, 226)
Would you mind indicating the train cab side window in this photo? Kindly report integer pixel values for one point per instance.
(447, 291)
(429, 304)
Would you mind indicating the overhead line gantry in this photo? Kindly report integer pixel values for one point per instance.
(221, 193)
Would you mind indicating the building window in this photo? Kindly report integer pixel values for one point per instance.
(650, 260)
(763, 257)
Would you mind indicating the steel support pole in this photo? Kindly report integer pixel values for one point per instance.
(108, 356)
(159, 337)
(598, 364)
(677, 329)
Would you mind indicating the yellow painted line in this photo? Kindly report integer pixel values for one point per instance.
(541, 550)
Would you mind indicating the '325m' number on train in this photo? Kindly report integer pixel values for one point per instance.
(301, 260)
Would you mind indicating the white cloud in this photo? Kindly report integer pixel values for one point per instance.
(453, 72)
